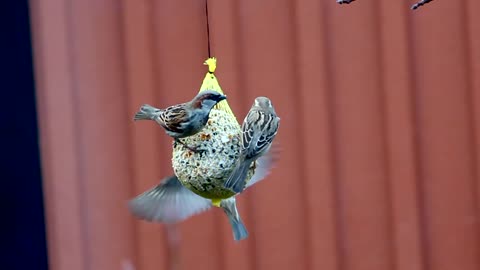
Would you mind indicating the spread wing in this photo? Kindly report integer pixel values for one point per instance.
(168, 202)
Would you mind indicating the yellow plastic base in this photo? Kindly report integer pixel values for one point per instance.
(216, 202)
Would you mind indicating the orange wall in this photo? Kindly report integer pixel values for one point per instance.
(380, 131)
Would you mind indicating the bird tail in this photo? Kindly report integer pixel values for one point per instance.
(230, 208)
(236, 180)
(146, 112)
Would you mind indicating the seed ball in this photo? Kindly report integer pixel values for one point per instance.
(218, 147)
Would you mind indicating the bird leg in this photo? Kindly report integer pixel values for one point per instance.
(191, 148)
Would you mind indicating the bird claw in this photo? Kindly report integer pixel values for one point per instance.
(191, 148)
(194, 149)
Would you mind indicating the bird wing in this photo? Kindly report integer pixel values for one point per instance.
(258, 131)
(168, 202)
(263, 166)
(173, 117)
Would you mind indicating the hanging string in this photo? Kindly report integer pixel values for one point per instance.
(208, 28)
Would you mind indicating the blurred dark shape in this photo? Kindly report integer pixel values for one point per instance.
(421, 3)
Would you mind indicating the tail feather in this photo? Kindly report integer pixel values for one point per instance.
(239, 230)
(236, 180)
(146, 112)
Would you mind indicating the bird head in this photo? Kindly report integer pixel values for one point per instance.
(207, 99)
(263, 103)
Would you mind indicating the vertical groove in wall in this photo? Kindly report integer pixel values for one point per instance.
(78, 140)
(401, 158)
(299, 125)
(423, 219)
(473, 34)
(382, 100)
(473, 118)
(128, 148)
(443, 124)
(157, 97)
(333, 148)
(154, 47)
(314, 147)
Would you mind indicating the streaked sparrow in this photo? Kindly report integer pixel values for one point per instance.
(258, 131)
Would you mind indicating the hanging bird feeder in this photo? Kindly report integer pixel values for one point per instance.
(205, 171)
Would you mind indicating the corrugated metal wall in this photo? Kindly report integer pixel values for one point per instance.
(380, 130)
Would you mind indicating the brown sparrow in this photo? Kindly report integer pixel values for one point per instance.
(183, 120)
(171, 202)
(258, 131)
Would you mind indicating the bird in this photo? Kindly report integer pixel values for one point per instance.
(185, 119)
(170, 202)
(420, 3)
(344, 1)
(259, 128)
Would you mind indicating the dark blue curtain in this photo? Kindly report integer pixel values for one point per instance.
(22, 227)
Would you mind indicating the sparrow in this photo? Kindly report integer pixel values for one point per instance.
(415, 6)
(183, 120)
(171, 202)
(420, 3)
(344, 1)
(258, 131)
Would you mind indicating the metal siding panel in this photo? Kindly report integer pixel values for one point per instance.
(314, 87)
(473, 55)
(383, 177)
(445, 139)
(402, 155)
(473, 35)
(360, 130)
(102, 146)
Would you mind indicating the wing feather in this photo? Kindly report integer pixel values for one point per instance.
(173, 118)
